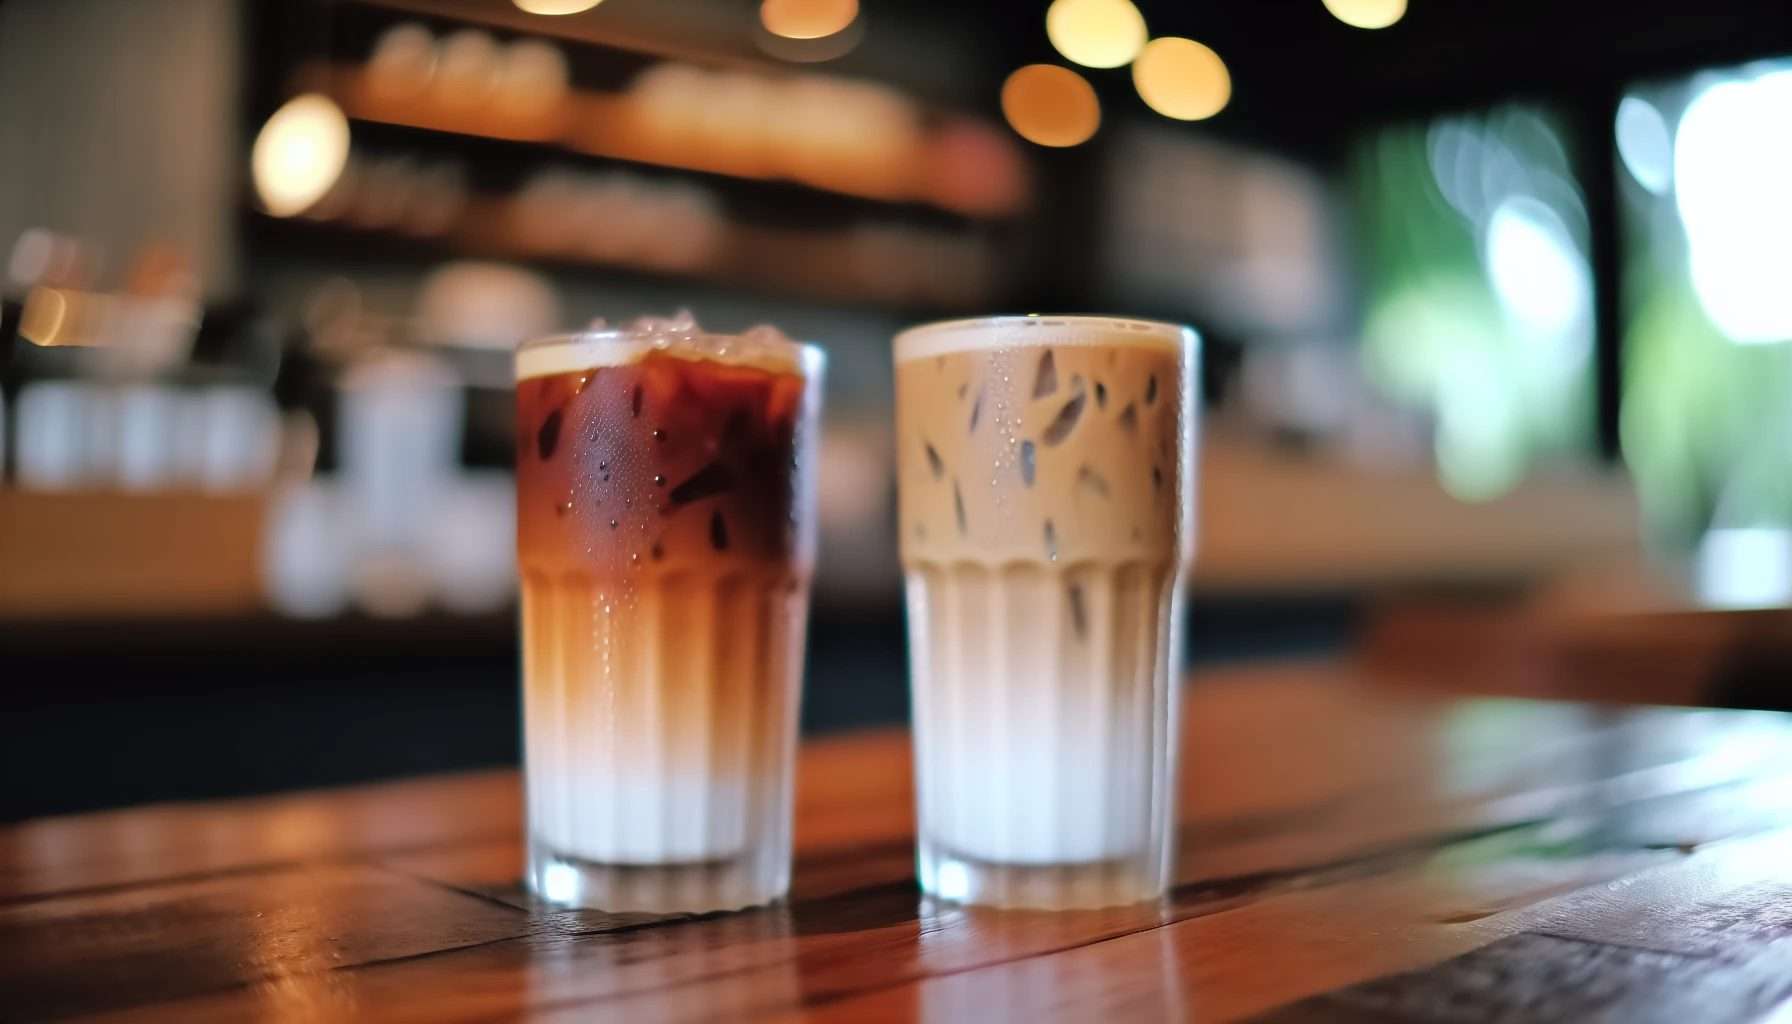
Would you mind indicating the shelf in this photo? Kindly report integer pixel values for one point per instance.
(498, 164)
(608, 125)
(798, 264)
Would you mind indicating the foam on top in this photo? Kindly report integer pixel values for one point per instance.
(983, 334)
(763, 347)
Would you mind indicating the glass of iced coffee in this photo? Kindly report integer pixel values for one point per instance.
(1046, 483)
(665, 540)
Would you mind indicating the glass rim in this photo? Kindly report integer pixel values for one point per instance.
(1055, 329)
(805, 358)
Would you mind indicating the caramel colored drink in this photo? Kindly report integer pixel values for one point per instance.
(1046, 473)
(665, 539)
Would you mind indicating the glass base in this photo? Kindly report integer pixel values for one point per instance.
(695, 888)
(955, 878)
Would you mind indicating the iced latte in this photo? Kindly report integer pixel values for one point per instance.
(1045, 471)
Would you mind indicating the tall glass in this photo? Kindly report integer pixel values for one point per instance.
(1046, 471)
(666, 542)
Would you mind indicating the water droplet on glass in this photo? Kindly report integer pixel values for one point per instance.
(1051, 542)
(958, 507)
(635, 401)
(612, 524)
(1129, 418)
(659, 435)
(1151, 389)
(934, 463)
(1026, 462)
(658, 480)
(1101, 395)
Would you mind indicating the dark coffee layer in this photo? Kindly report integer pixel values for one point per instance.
(659, 463)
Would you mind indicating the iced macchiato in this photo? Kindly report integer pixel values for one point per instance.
(1045, 471)
(666, 543)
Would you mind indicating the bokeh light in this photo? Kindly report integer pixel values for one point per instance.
(1537, 272)
(299, 154)
(1182, 79)
(1367, 13)
(1745, 567)
(557, 6)
(1096, 33)
(1731, 167)
(807, 19)
(1050, 106)
(1645, 144)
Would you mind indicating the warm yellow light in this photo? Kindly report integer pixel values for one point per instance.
(556, 6)
(1096, 33)
(299, 154)
(1367, 13)
(1181, 78)
(44, 316)
(807, 19)
(1050, 105)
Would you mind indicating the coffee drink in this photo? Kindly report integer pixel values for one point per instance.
(665, 543)
(1046, 514)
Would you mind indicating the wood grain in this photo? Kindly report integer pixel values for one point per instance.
(1346, 853)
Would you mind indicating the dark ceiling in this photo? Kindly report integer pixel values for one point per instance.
(1304, 82)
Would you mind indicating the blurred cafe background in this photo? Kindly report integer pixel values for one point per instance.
(1495, 300)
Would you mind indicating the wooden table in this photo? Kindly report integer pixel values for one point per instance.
(1347, 853)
